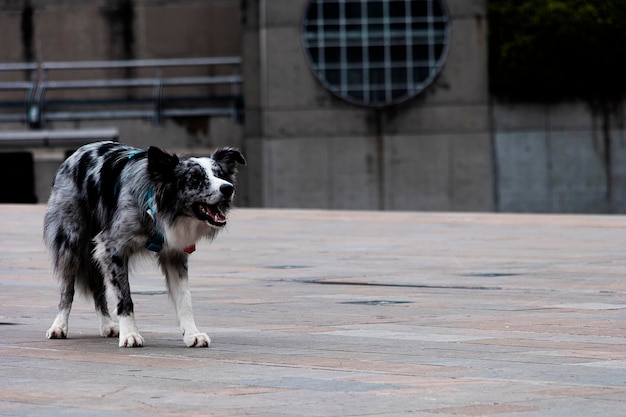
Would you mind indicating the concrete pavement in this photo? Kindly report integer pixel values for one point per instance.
(332, 313)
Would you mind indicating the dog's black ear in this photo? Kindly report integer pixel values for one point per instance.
(161, 165)
(228, 157)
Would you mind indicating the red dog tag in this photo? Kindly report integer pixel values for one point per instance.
(190, 249)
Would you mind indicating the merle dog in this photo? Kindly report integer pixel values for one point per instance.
(110, 201)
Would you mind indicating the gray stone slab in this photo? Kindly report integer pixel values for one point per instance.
(577, 161)
(319, 313)
(466, 8)
(618, 155)
(282, 13)
(463, 78)
(298, 173)
(523, 179)
(431, 172)
(449, 117)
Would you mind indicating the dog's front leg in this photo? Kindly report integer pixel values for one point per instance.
(114, 266)
(174, 268)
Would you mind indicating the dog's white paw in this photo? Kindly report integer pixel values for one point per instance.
(110, 330)
(56, 333)
(131, 340)
(197, 340)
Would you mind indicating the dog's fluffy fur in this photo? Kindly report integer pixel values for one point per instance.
(108, 202)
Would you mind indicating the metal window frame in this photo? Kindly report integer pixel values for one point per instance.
(320, 38)
(37, 115)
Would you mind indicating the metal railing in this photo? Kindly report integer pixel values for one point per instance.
(55, 138)
(36, 108)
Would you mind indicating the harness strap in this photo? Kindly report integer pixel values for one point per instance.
(156, 240)
(116, 186)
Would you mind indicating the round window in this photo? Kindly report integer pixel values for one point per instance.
(375, 52)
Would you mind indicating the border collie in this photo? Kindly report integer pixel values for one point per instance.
(110, 201)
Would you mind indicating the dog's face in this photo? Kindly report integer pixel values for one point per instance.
(202, 188)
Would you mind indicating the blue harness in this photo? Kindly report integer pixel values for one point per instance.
(156, 240)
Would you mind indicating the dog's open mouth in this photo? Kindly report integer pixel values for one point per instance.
(211, 213)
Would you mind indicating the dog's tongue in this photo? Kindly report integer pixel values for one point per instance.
(218, 216)
(212, 212)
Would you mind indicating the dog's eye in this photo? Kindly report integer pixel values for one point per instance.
(220, 173)
(196, 178)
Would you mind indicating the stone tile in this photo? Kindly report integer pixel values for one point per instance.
(502, 315)
(482, 410)
(523, 175)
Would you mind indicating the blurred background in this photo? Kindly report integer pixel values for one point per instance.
(439, 105)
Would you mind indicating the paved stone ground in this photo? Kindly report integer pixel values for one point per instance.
(321, 313)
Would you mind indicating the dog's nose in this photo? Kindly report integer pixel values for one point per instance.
(227, 190)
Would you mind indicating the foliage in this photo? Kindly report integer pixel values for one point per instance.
(553, 50)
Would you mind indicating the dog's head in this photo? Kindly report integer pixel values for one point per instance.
(195, 187)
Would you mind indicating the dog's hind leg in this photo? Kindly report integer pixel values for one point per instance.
(58, 330)
(108, 326)
(97, 287)
(174, 267)
(63, 244)
(114, 267)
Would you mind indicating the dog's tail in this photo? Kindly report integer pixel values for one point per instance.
(71, 250)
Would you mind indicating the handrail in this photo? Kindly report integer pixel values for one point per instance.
(43, 138)
(16, 85)
(143, 63)
(37, 114)
(143, 82)
(18, 66)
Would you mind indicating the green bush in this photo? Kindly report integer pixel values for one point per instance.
(555, 50)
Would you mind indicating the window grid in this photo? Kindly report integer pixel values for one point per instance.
(344, 58)
(367, 97)
(410, 85)
(375, 52)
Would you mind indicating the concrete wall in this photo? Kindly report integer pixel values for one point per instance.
(66, 30)
(308, 148)
(560, 158)
(80, 30)
(451, 148)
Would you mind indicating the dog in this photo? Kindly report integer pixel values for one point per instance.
(110, 202)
